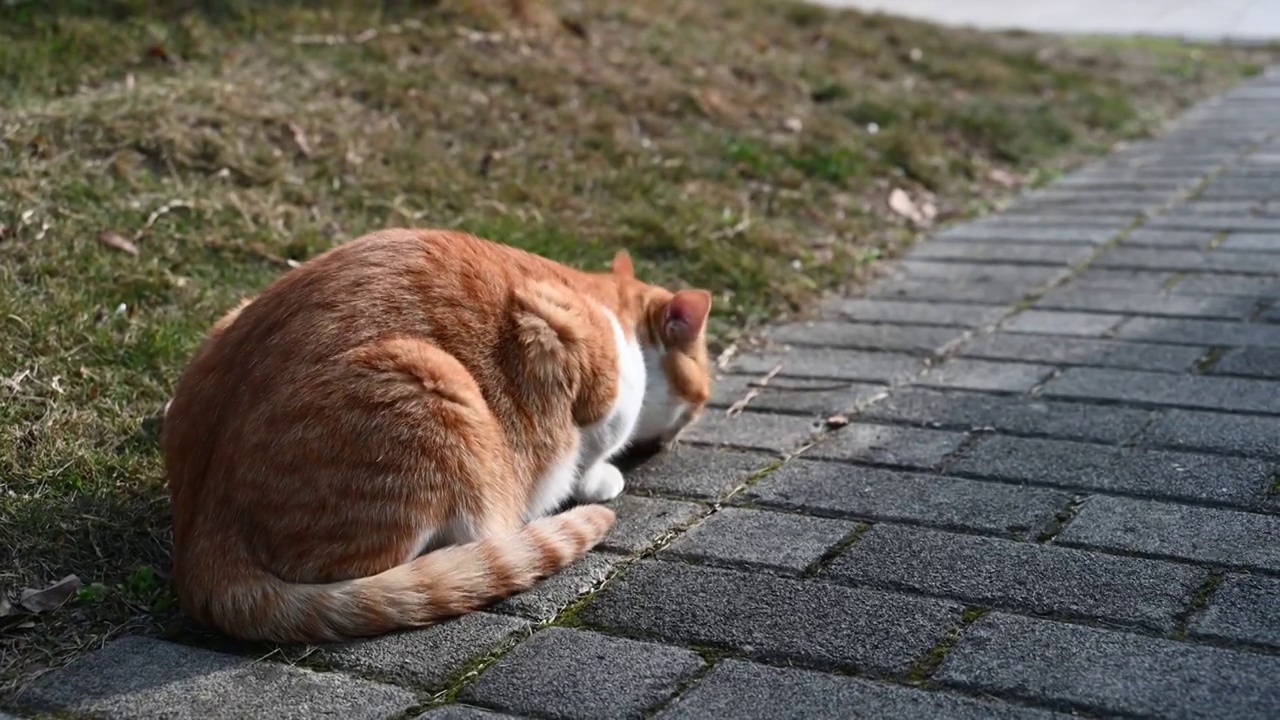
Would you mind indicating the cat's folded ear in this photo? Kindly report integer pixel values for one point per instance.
(686, 316)
(622, 265)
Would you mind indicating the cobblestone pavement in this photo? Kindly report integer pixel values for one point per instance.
(1057, 493)
(1237, 20)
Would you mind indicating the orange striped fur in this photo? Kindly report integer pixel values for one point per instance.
(377, 441)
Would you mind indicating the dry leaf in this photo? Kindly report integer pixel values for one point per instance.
(158, 52)
(714, 105)
(837, 421)
(900, 202)
(1003, 177)
(929, 211)
(300, 139)
(574, 27)
(50, 598)
(5, 607)
(113, 239)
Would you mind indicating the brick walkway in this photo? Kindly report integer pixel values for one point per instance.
(1058, 493)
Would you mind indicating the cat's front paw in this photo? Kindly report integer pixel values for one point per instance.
(601, 483)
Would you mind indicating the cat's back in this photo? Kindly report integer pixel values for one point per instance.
(449, 287)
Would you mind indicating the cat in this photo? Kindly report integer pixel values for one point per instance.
(377, 440)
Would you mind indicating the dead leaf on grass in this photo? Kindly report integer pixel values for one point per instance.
(1004, 178)
(300, 139)
(113, 239)
(902, 204)
(50, 598)
(158, 52)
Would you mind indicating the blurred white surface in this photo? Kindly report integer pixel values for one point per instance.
(1237, 20)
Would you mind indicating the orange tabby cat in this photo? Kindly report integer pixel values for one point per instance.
(414, 392)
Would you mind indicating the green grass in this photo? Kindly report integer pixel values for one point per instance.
(747, 146)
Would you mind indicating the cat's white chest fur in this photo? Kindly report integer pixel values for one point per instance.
(583, 472)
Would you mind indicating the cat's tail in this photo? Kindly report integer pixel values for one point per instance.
(444, 583)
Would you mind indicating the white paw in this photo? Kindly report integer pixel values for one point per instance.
(601, 483)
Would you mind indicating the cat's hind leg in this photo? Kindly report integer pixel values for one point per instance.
(442, 423)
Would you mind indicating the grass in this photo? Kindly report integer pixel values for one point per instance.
(747, 146)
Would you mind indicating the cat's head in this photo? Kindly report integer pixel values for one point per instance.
(672, 329)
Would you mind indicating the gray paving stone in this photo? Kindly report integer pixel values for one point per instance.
(1190, 261)
(1020, 576)
(1055, 322)
(1255, 362)
(1004, 251)
(824, 625)
(737, 689)
(1085, 351)
(1233, 308)
(1252, 242)
(461, 712)
(1224, 537)
(426, 658)
(1077, 198)
(1230, 223)
(1217, 432)
(1103, 213)
(967, 374)
(880, 494)
(1201, 332)
(1106, 671)
(751, 430)
(1021, 416)
(1233, 192)
(957, 290)
(1213, 393)
(696, 472)
(888, 445)
(865, 336)
(568, 673)
(914, 313)
(1027, 234)
(1212, 207)
(139, 677)
(1095, 278)
(1112, 180)
(855, 365)
(1192, 239)
(819, 398)
(1155, 473)
(1220, 284)
(544, 601)
(755, 537)
(1272, 312)
(1243, 610)
(977, 273)
(643, 520)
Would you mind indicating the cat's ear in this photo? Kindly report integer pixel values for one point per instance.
(622, 265)
(686, 316)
